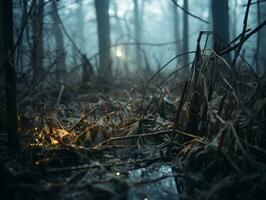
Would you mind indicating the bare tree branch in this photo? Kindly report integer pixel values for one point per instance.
(189, 13)
(247, 36)
(256, 2)
(241, 42)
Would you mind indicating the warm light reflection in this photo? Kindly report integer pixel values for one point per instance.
(53, 141)
(45, 137)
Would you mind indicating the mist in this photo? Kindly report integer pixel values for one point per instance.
(132, 99)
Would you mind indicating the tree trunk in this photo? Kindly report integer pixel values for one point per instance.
(220, 18)
(1, 46)
(37, 51)
(80, 27)
(21, 49)
(185, 32)
(137, 34)
(175, 28)
(59, 39)
(261, 40)
(87, 70)
(6, 36)
(103, 25)
(234, 20)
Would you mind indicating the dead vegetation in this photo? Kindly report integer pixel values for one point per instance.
(82, 145)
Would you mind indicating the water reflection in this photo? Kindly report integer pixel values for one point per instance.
(164, 188)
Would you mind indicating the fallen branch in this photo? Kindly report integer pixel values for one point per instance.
(82, 119)
(133, 136)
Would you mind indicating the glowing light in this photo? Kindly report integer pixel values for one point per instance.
(118, 53)
(118, 173)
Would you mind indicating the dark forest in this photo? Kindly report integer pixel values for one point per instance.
(132, 99)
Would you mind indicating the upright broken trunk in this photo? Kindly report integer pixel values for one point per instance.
(87, 68)
(7, 45)
(103, 25)
(37, 51)
(59, 40)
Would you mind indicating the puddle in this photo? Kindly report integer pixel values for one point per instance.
(159, 189)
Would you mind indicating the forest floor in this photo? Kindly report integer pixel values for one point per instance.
(203, 138)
